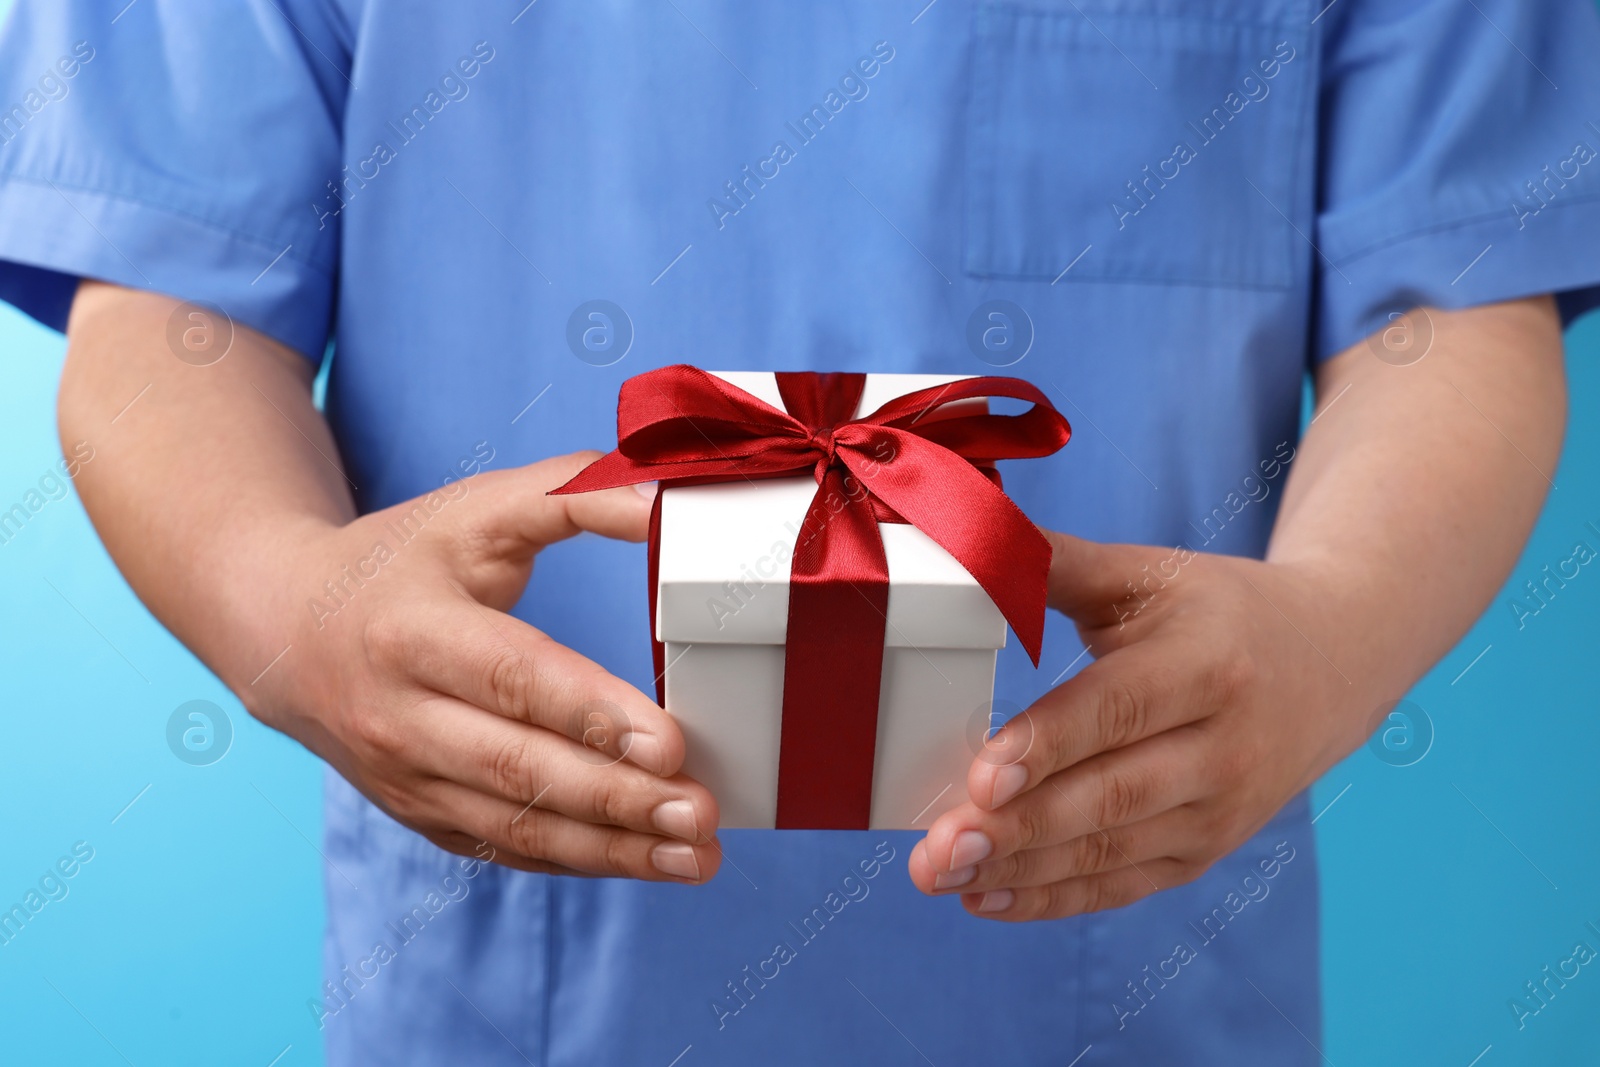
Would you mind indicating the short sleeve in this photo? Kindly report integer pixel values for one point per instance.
(1460, 159)
(189, 147)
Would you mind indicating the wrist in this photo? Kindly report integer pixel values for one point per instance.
(1354, 617)
(255, 616)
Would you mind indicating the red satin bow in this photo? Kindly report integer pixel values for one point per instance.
(681, 426)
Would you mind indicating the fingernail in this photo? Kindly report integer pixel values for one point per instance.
(951, 879)
(996, 900)
(676, 818)
(676, 860)
(642, 750)
(1008, 782)
(645, 489)
(971, 846)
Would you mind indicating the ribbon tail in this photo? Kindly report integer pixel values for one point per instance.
(833, 665)
(986, 533)
(609, 471)
(658, 651)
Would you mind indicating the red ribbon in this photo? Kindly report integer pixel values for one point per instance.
(681, 426)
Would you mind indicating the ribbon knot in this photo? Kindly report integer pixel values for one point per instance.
(681, 426)
(823, 441)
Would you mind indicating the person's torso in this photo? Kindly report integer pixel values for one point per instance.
(1106, 199)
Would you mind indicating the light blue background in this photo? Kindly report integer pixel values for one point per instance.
(192, 936)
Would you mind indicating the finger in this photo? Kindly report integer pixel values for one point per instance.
(1088, 577)
(1172, 834)
(1079, 896)
(1111, 790)
(539, 836)
(523, 508)
(1129, 695)
(463, 844)
(534, 767)
(501, 664)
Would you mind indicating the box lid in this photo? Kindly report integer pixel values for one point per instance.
(726, 551)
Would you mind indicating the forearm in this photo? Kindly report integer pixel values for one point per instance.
(208, 480)
(1415, 487)
(1213, 701)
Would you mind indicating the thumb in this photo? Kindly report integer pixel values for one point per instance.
(1088, 579)
(524, 508)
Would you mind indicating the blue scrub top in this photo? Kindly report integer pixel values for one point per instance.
(1182, 205)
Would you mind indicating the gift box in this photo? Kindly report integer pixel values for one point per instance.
(832, 569)
(722, 609)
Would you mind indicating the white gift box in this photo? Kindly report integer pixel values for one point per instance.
(722, 610)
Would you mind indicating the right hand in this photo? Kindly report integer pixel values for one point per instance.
(466, 724)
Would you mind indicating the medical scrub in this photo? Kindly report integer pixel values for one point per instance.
(1160, 212)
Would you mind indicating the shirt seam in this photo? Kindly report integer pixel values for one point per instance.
(1455, 224)
(545, 1022)
(263, 243)
(1032, 7)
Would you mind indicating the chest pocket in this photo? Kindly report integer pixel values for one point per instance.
(1135, 146)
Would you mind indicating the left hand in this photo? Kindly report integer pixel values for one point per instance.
(1220, 690)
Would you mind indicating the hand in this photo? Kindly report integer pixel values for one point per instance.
(464, 723)
(1212, 702)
